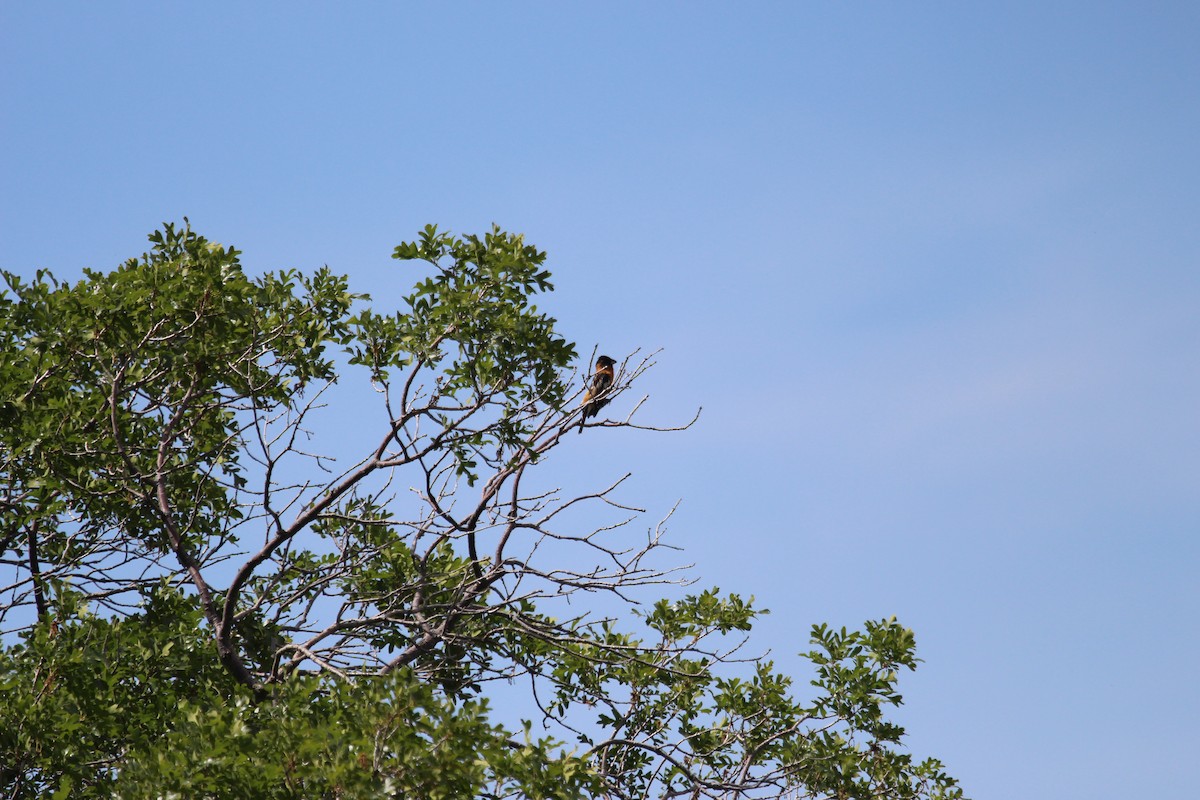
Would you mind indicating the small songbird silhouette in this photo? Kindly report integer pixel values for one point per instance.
(602, 381)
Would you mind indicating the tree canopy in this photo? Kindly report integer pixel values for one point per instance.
(195, 602)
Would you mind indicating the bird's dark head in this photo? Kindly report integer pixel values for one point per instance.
(604, 361)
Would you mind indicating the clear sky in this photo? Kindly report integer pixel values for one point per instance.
(932, 270)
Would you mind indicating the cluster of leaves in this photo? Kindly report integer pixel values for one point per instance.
(138, 707)
(201, 607)
(473, 321)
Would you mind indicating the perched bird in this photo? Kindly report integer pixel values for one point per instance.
(602, 381)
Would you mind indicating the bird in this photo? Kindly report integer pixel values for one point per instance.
(602, 381)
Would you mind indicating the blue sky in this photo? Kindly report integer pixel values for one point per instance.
(932, 270)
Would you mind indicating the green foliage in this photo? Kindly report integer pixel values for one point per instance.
(82, 693)
(474, 321)
(479, 301)
(135, 378)
(205, 606)
(388, 736)
(139, 708)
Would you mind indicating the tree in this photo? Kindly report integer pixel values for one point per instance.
(200, 604)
